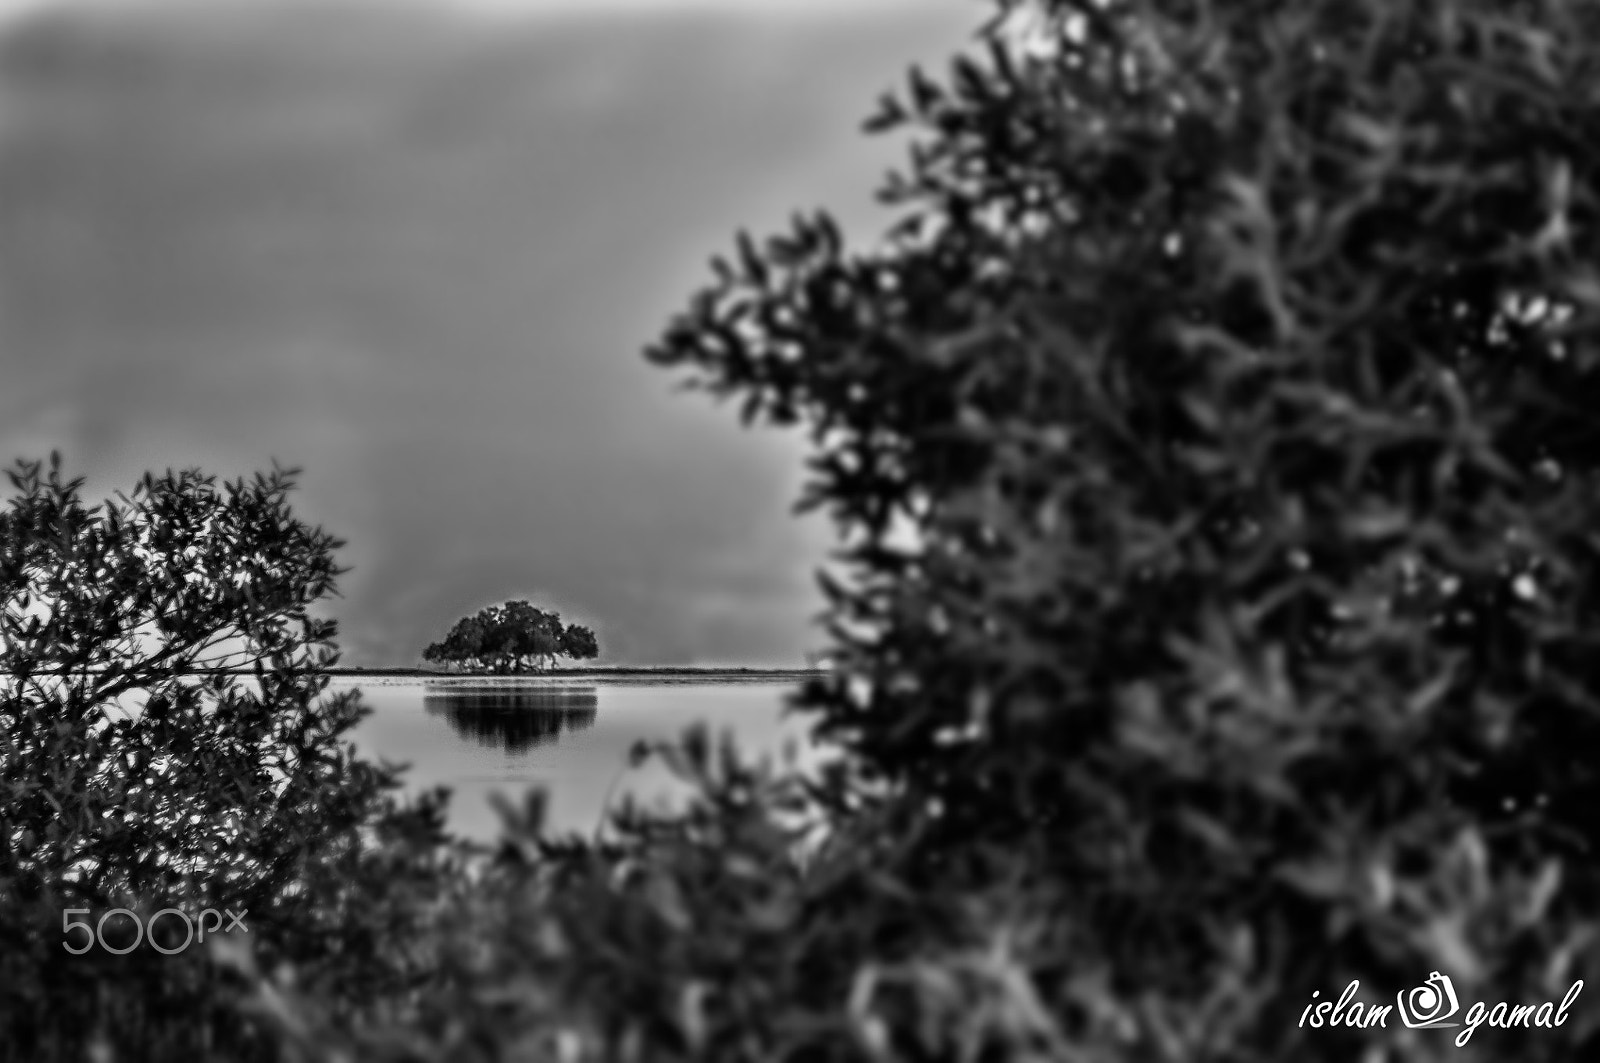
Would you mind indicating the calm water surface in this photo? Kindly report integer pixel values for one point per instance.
(571, 737)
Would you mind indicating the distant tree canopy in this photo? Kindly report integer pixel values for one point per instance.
(512, 638)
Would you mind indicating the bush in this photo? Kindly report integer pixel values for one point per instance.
(141, 772)
(1232, 377)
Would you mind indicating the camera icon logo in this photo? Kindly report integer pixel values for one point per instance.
(1428, 1005)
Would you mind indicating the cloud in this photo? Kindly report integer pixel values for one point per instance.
(421, 257)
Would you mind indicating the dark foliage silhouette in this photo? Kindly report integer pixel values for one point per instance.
(130, 777)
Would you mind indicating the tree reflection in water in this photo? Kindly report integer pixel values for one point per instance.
(517, 719)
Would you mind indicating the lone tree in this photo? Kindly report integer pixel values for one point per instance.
(512, 638)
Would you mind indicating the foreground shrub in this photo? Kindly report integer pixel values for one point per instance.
(1216, 440)
(140, 772)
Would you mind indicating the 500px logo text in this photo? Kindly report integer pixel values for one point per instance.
(193, 930)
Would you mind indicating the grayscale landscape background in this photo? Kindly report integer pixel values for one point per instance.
(417, 249)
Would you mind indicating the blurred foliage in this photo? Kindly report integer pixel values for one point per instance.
(1214, 447)
(1214, 441)
(511, 639)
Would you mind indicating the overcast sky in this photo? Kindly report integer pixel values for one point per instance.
(418, 251)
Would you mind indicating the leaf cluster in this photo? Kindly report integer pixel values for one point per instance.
(164, 743)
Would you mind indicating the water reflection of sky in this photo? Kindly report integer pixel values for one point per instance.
(572, 740)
